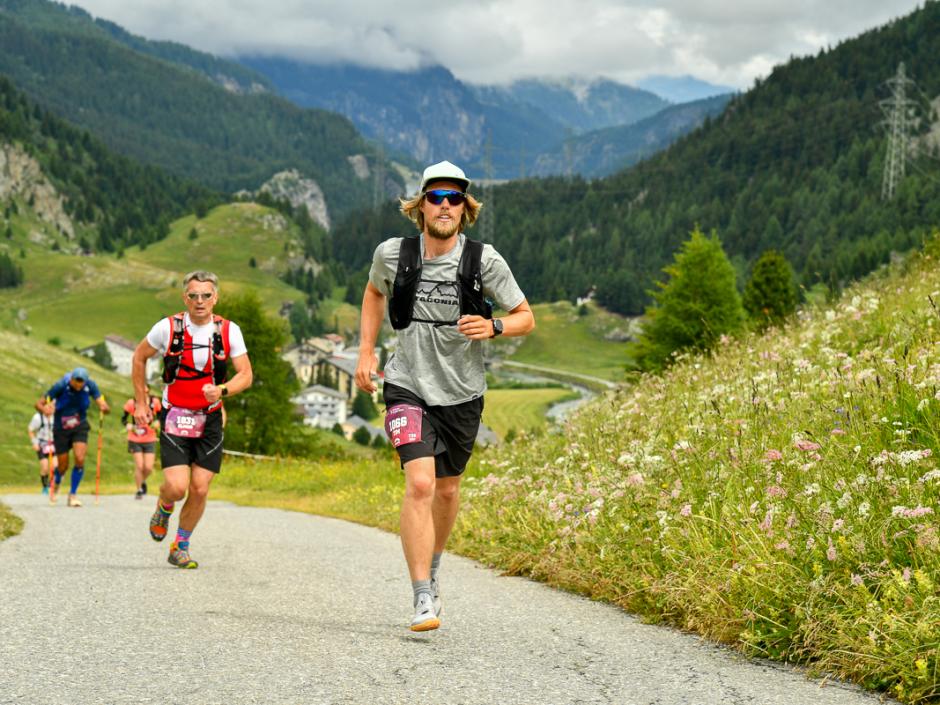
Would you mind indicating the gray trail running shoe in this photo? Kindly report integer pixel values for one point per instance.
(424, 620)
(436, 597)
(180, 558)
(158, 524)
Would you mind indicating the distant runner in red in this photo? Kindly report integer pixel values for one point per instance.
(438, 286)
(199, 349)
(142, 442)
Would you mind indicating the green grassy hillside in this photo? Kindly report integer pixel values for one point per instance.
(567, 340)
(79, 300)
(28, 367)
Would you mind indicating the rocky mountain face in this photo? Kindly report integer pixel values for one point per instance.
(21, 177)
(300, 192)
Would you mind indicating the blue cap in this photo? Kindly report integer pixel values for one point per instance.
(80, 373)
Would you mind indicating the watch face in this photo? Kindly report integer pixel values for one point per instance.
(497, 326)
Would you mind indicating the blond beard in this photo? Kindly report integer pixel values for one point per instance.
(440, 233)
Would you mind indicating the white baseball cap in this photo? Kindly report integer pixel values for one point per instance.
(444, 171)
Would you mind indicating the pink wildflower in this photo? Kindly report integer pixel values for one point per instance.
(913, 513)
(776, 491)
(634, 479)
(837, 432)
(857, 579)
(831, 552)
(686, 510)
(803, 444)
(767, 524)
(772, 455)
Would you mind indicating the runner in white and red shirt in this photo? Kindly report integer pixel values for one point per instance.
(200, 351)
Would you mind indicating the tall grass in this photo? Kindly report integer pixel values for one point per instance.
(780, 495)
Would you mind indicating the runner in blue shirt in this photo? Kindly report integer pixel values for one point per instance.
(72, 396)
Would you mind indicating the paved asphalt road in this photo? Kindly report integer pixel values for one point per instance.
(291, 608)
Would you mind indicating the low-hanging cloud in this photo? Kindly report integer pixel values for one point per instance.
(498, 41)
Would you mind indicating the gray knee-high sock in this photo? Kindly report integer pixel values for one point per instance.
(420, 586)
(435, 565)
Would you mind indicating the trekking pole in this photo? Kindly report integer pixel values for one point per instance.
(51, 456)
(51, 448)
(100, 444)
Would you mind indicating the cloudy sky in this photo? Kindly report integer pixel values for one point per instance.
(729, 42)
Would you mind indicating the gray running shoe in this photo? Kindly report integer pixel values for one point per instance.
(180, 558)
(436, 597)
(424, 620)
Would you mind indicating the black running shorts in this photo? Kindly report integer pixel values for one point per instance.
(206, 452)
(65, 439)
(135, 447)
(447, 433)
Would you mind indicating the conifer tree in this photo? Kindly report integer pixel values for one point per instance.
(771, 294)
(261, 420)
(696, 305)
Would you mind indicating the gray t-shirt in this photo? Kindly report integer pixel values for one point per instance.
(436, 362)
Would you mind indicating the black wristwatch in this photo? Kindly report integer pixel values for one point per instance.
(497, 327)
(224, 390)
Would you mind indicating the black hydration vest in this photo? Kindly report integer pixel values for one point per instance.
(469, 284)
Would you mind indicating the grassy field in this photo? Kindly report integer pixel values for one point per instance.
(127, 295)
(567, 341)
(518, 410)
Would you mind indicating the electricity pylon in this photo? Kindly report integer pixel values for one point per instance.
(899, 115)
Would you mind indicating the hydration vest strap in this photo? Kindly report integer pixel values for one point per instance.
(174, 353)
(220, 349)
(401, 305)
(470, 278)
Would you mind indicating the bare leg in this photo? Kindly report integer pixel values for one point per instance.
(416, 522)
(80, 449)
(175, 482)
(444, 509)
(139, 469)
(192, 511)
(149, 459)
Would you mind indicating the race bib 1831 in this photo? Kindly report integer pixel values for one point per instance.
(185, 423)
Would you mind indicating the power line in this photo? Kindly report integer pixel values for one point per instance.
(899, 114)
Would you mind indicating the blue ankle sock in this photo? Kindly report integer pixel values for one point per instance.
(58, 478)
(182, 539)
(77, 474)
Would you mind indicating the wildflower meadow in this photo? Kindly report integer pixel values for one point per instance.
(780, 494)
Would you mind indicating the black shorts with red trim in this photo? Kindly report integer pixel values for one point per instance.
(205, 451)
(447, 433)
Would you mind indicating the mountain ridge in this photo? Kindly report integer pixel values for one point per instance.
(171, 114)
